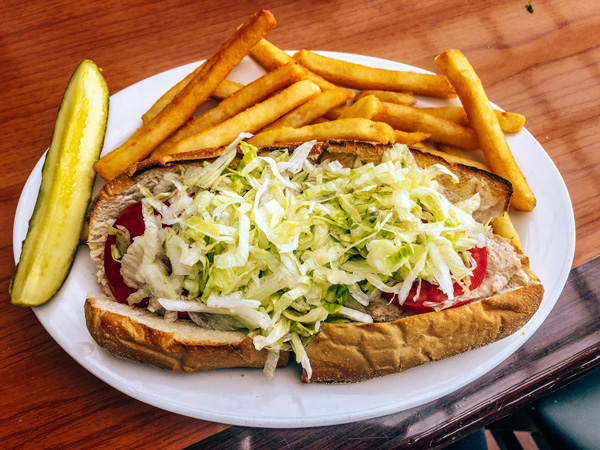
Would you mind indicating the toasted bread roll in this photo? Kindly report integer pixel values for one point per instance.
(355, 352)
(340, 352)
(137, 334)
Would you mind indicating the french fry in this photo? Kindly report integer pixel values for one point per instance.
(182, 107)
(410, 139)
(455, 159)
(319, 81)
(408, 118)
(509, 122)
(419, 146)
(336, 113)
(244, 98)
(320, 120)
(168, 96)
(361, 111)
(451, 150)
(485, 123)
(312, 109)
(362, 77)
(226, 88)
(504, 227)
(350, 129)
(270, 57)
(250, 120)
(365, 108)
(402, 98)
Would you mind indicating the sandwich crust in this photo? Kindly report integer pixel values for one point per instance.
(354, 352)
(180, 346)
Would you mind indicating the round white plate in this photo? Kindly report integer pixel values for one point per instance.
(244, 396)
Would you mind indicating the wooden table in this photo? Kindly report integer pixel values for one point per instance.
(545, 65)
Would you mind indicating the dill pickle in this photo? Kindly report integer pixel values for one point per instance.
(68, 177)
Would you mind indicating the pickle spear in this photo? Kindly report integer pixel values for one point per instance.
(66, 189)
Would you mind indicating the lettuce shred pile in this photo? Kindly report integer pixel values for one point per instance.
(275, 245)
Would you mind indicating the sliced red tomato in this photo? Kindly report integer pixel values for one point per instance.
(132, 220)
(434, 296)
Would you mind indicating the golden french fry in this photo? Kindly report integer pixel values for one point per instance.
(408, 118)
(365, 108)
(312, 109)
(451, 150)
(402, 98)
(270, 57)
(361, 109)
(454, 159)
(250, 120)
(509, 122)
(319, 81)
(485, 123)
(349, 129)
(362, 77)
(244, 98)
(419, 146)
(503, 226)
(410, 139)
(183, 106)
(168, 96)
(336, 113)
(319, 120)
(455, 114)
(226, 88)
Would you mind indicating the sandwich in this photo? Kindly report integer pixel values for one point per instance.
(360, 259)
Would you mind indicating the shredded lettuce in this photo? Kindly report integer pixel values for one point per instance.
(276, 245)
(122, 242)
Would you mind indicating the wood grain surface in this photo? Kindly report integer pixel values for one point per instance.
(545, 65)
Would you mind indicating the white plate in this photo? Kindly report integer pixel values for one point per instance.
(244, 396)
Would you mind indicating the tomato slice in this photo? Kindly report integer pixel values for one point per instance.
(434, 296)
(132, 220)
